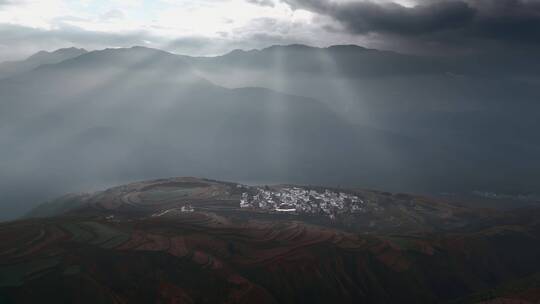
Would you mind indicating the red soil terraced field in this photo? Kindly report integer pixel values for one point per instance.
(113, 248)
(179, 259)
(159, 195)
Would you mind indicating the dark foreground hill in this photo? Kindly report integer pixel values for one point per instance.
(187, 240)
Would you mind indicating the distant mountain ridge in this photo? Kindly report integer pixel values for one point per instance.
(400, 63)
(350, 60)
(12, 68)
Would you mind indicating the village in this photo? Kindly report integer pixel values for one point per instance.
(297, 200)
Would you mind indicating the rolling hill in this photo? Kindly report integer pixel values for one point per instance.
(171, 240)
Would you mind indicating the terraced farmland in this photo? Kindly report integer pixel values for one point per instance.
(114, 249)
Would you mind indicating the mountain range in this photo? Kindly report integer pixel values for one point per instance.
(12, 68)
(73, 120)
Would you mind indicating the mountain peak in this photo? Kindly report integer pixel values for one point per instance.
(71, 51)
(12, 68)
(142, 60)
(295, 47)
(304, 48)
(348, 47)
(136, 50)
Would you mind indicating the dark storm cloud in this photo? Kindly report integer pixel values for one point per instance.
(364, 17)
(503, 20)
(507, 20)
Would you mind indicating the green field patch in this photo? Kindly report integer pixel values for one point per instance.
(166, 193)
(176, 185)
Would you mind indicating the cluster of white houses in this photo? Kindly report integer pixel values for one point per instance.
(302, 201)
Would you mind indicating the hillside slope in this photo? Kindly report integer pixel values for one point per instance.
(134, 243)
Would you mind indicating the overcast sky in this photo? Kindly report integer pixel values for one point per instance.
(210, 27)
